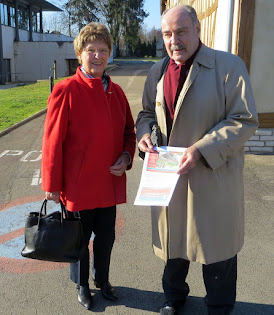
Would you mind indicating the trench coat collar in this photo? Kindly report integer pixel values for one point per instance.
(206, 58)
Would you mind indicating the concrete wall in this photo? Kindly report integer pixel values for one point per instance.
(262, 58)
(45, 37)
(8, 34)
(34, 60)
(31, 61)
(8, 37)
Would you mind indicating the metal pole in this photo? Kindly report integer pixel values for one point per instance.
(2, 74)
(51, 84)
(55, 70)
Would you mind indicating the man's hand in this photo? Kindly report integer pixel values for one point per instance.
(189, 160)
(55, 196)
(120, 165)
(145, 143)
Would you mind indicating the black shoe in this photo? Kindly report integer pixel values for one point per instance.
(171, 307)
(84, 296)
(107, 291)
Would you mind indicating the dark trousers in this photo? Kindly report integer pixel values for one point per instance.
(100, 221)
(219, 279)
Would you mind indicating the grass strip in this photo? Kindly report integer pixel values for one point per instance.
(18, 103)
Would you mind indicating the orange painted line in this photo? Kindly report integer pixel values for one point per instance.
(9, 236)
(20, 266)
(13, 203)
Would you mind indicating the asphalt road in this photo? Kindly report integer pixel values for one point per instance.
(30, 287)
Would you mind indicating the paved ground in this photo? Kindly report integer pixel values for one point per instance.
(29, 287)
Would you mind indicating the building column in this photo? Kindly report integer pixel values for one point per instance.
(41, 21)
(2, 74)
(30, 23)
(17, 39)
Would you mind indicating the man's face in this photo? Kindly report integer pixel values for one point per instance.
(180, 36)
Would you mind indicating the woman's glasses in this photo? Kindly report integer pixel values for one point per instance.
(93, 51)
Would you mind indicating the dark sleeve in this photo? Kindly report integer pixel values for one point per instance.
(147, 116)
(129, 135)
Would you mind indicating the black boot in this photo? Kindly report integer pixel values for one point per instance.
(107, 291)
(84, 296)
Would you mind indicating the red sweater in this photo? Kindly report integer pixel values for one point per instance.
(86, 130)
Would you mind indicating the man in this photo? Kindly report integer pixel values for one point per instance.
(203, 101)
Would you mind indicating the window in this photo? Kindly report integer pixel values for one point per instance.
(6, 71)
(72, 64)
(4, 14)
(23, 18)
(34, 21)
(7, 15)
(11, 15)
(38, 22)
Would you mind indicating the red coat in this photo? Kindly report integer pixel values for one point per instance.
(86, 130)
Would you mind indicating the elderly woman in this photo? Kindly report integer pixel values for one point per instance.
(88, 144)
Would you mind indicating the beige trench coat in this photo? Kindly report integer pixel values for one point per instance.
(216, 112)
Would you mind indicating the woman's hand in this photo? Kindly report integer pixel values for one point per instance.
(55, 196)
(120, 165)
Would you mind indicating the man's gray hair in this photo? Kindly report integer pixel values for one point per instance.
(188, 9)
(192, 13)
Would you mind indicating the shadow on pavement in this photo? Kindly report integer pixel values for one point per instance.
(152, 301)
(196, 306)
(130, 298)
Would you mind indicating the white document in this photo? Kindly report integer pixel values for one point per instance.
(159, 176)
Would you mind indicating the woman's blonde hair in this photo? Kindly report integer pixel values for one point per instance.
(90, 32)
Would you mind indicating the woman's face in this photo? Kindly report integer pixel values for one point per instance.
(94, 58)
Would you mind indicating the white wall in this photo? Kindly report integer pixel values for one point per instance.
(31, 61)
(8, 34)
(262, 57)
(8, 37)
(223, 25)
(45, 37)
(34, 60)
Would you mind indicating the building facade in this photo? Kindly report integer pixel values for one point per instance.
(244, 28)
(26, 52)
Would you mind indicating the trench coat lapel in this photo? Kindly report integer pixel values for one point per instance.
(160, 110)
(204, 58)
(193, 72)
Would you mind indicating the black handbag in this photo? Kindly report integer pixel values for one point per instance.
(53, 237)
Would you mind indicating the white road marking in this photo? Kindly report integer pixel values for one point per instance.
(36, 180)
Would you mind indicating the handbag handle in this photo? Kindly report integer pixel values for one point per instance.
(44, 207)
